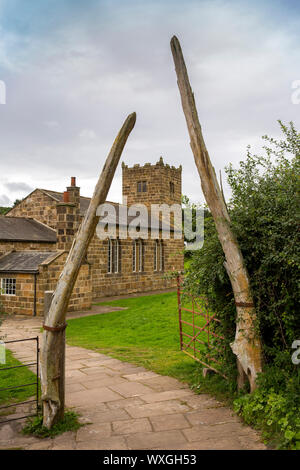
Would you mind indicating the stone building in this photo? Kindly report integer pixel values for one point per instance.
(37, 234)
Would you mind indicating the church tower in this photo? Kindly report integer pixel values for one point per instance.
(151, 184)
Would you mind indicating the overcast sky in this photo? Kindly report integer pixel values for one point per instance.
(75, 69)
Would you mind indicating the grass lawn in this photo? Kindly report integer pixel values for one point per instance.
(146, 334)
(14, 377)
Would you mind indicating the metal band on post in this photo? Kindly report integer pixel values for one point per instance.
(55, 328)
(244, 304)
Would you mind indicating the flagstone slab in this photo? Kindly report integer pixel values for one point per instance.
(111, 443)
(107, 416)
(130, 389)
(103, 382)
(157, 409)
(153, 440)
(124, 406)
(163, 383)
(131, 426)
(169, 422)
(124, 402)
(212, 416)
(141, 376)
(167, 395)
(84, 397)
(93, 431)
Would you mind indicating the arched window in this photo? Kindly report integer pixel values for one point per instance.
(113, 256)
(161, 256)
(141, 255)
(134, 256)
(138, 256)
(158, 255)
(155, 254)
(109, 256)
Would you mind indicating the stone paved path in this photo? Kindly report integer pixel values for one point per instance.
(128, 407)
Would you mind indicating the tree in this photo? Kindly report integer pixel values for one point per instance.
(53, 345)
(264, 210)
(246, 345)
(4, 210)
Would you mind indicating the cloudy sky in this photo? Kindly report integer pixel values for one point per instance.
(75, 69)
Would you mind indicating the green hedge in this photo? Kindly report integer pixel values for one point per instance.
(264, 210)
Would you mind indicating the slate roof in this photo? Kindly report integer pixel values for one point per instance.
(24, 229)
(84, 204)
(84, 201)
(24, 261)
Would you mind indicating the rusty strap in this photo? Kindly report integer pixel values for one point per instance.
(56, 328)
(244, 304)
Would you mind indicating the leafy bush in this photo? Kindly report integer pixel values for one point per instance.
(265, 213)
(4, 210)
(274, 407)
(264, 210)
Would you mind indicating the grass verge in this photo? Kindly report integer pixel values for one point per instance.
(13, 378)
(145, 334)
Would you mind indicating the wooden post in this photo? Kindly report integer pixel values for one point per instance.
(52, 351)
(59, 350)
(247, 345)
(48, 296)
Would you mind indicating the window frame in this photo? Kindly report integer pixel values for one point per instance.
(158, 256)
(161, 256)
(113, 256)
(5, 286)
(141, 255)
(172, 188)
(142, 186)
(138, 255)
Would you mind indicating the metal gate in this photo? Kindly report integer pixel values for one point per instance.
(31, 384)
(199, 337)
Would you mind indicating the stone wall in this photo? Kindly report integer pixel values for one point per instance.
(158, 178)
(23, 301)
(81, 298)
(127, 281)
(67, 223)
(94, 281)
(46, 279)
(39, 206)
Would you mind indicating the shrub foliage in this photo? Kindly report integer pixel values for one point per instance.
(264, 209)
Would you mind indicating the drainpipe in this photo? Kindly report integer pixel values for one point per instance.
(34, 300)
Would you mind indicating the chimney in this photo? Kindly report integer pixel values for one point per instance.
(68, 216)
(74, 193)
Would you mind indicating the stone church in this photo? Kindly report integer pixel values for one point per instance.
(36, 236)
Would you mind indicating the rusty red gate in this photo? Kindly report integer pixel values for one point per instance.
(199, 337)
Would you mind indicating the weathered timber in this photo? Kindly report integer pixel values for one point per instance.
(247, 344)
(53, 344)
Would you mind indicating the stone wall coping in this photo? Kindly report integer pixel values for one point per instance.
(56, 255)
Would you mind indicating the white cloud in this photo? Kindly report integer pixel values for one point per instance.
(88, 134)
(71, 86)
(4, 201)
